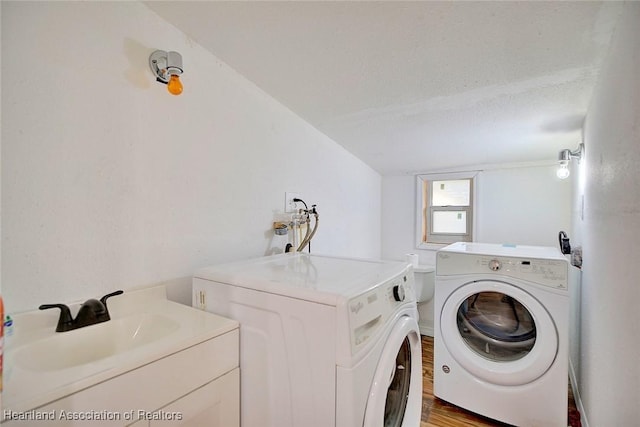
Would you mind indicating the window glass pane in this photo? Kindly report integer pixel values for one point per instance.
(450, 222)
(451, 192)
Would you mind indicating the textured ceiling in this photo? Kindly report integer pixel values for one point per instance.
(417, 86)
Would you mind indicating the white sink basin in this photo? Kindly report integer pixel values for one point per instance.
(92, 343)
(42, 365)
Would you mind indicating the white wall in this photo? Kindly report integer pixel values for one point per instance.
(575, 275)
(0, 155)
(526, 205)
(109, 182)
(610, 234)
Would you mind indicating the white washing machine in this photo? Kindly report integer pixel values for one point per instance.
(324, 341)
(501, 332)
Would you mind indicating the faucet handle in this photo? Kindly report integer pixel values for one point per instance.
(65, 321)
(103, 300)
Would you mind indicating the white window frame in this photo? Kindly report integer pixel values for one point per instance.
(423, 208)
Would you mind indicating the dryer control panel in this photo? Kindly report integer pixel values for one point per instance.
(548, 272)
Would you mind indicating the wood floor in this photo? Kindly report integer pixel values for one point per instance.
(438, 413)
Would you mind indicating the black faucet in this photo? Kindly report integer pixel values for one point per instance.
(91, 312)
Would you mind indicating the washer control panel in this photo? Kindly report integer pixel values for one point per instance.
(548, 272)
(369, 312)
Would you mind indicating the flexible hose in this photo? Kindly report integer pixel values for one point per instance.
(315, 228)
(308, 237)
(304, 241)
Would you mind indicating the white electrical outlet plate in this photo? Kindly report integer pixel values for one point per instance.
(289, 204)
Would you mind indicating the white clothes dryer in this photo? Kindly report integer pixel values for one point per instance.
(324, 341)
(501, 332)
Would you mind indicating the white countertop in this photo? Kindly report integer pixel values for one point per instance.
(29, 385)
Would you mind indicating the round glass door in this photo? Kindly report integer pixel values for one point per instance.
(498, 332)
(398, 391)
(395, 396)
(496, 326)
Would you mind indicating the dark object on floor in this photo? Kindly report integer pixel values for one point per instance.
(574, 418)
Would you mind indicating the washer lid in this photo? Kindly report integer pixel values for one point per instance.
(311, 277)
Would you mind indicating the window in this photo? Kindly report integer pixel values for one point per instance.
(445, 208)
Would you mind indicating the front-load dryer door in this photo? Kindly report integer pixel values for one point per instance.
(395, 398)
(498, 332)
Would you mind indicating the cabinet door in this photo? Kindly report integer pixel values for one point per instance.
(215, 404)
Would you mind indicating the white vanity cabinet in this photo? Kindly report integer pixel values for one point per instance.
(198, 386)
(190, 376)
(215, 404)
(199, 383)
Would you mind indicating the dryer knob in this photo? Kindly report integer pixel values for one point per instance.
(494, 265)
(398, 293)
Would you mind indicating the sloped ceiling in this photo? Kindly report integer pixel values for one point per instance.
(417, 86)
